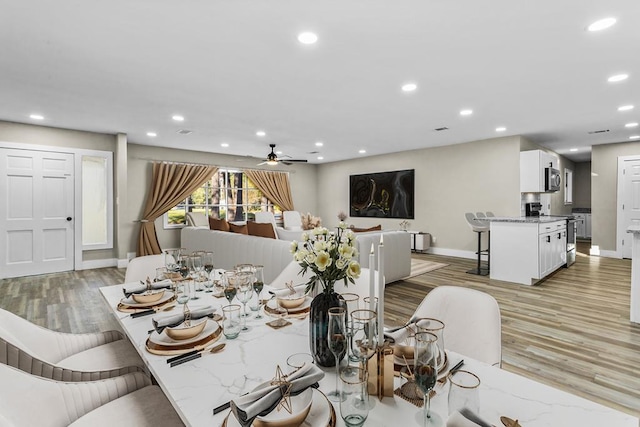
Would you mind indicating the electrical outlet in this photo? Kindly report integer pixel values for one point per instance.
(434, 239)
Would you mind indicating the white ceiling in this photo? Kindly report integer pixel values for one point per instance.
(233, 67)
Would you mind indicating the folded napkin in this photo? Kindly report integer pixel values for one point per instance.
(401, 335)
(139, 288)
(465, 418)
(177, 319)
(263, 400)
(284, 292)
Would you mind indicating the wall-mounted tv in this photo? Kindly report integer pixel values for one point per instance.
(382, 194)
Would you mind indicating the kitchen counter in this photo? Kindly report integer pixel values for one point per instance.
(634, 309)
(529, 219)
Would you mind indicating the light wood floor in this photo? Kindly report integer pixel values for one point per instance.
(572, 331)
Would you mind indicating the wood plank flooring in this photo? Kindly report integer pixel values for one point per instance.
(571, 331)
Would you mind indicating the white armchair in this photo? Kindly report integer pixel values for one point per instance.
(267, 217)
(197, 219)
(292, 220)
(128, 400)
(62, 356)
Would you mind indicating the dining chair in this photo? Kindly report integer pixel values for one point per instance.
(197, 219)
(292, 220)
(127, 400)
(141, 267)
(471, 318)
(64, 356)
(361, 285)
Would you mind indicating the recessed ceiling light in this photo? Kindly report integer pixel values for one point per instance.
(320, 158)
(224, 144)
(631, 125)
(362, 151)
(36, 117)
(618, 78)
(152, 134)
(501, 129)
(409, 87)
(261, 133)
(319, 144)
(634, 137)
(625, 108)
(466, 112)
(601, 24)
(177, 118)
(573, 150)
(307, 38)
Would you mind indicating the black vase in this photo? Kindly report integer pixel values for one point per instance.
(319, 327)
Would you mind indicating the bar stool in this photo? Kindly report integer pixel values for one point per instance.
(479, 227)
(481, 216)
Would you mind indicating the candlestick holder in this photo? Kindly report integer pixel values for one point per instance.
(380, 368)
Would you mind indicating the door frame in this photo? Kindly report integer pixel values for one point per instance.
(78, 153)
(621, 232)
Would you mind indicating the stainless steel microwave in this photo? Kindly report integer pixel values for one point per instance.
(552, 179)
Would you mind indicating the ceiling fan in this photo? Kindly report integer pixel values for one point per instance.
(272, 158)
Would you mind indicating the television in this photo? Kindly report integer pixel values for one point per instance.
(382, 194)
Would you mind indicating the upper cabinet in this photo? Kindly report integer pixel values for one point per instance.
(538, 172)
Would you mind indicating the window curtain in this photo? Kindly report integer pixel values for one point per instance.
(274, 185)
(171, 183)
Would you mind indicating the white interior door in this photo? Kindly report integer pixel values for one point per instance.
(630, 201)
(36, 220)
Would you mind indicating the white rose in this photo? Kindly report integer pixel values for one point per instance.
(293, 247)
(354, 270)
(323, 260)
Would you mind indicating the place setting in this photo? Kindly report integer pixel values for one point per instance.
(290, 302)
(147, 297)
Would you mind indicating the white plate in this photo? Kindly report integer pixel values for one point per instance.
(132, 303)
(163, 339)
(273, 303)
(319, 415)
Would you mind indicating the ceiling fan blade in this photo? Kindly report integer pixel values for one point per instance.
(263, 163)
(297, 161)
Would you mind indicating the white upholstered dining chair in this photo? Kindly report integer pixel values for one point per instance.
(128, 400)
(472, 321)
(292, 220)
(141, 267)
(197, 219)
(63, 356)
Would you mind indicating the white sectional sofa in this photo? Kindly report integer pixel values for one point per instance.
(230, 249)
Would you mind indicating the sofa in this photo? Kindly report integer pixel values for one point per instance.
(230, 249)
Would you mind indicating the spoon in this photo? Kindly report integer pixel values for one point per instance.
(508, 422)
(218, 348)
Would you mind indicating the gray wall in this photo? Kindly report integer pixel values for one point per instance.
(604, 163)
(582, 185)
(476, 176)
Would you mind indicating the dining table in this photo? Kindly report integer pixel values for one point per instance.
(198, 386)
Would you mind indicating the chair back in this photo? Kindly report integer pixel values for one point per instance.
(490, 214)
(142, 267)
(360, 287)
(472, 321)
(197, 219)
(267, 217)
(292, 220)
(475, 223)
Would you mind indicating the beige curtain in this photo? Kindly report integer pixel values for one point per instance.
(274, 185)
(171, 183)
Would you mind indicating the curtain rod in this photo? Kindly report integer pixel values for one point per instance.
(208, 164)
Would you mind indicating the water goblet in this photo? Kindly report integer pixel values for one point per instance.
(231, 321)
(352, 301)
(183, 292)
(365, 336)
(244, 281)
(464, 393)
(337, 340)
(425, 372)
(354, 407)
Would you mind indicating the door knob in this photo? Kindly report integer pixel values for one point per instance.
(69, 218)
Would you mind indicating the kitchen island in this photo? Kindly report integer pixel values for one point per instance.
(527, 249)
(634, 309)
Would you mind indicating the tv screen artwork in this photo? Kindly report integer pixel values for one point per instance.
(382, 194)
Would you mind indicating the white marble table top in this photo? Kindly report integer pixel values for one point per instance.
(198, 386)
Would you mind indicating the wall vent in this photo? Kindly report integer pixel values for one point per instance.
(441, 129)
(598, 131)
(184, 132)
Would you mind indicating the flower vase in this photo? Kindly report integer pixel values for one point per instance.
(319, 327)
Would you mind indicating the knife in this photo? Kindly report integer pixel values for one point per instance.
(185, 359)
(182, 356)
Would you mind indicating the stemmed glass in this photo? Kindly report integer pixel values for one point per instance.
(207, 261)
(229, 280)
(183, 266)
(244, 282)
(425, 372)
(352, 301)
(337, 340)
(365, 335)
(195, 263)
(436, 327)
(258, 284)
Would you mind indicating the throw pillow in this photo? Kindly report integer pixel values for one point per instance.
(240, 229)
(218, 224)
(364, 230)
(261, 229)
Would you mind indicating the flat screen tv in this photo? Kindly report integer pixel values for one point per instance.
(382, 194)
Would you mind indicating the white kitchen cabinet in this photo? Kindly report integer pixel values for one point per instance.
(532, 170)
(583, 222)
(526, 251)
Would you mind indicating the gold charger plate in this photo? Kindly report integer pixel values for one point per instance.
(322, 413)
(162, 345)
(297, 313)
(125, 306)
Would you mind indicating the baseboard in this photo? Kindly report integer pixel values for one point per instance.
(452, 252)
(98, 263)
(606, 254)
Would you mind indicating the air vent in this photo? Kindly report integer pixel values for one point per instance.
(184, 132)
(313, 152)
(441, 129)
(598, 131)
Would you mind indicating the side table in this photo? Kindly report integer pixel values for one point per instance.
(420, 242)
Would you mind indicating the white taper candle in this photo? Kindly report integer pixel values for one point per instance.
(381, 292)
(372, 277)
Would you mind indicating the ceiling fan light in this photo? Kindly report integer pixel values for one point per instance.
(272, 162)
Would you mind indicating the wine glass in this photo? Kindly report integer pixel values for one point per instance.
(337, 339)
(244, 282)
(207, 261)
(436, 327)
(365, 336)
(425, 372)
(258, 285)
(195, 264)
(229, 280)
(183, 266)
(352, 301)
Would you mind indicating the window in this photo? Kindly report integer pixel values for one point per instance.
(97, 200)
(568, 186)
(229, 195)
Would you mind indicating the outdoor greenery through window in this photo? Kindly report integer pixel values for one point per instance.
(229, 195)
